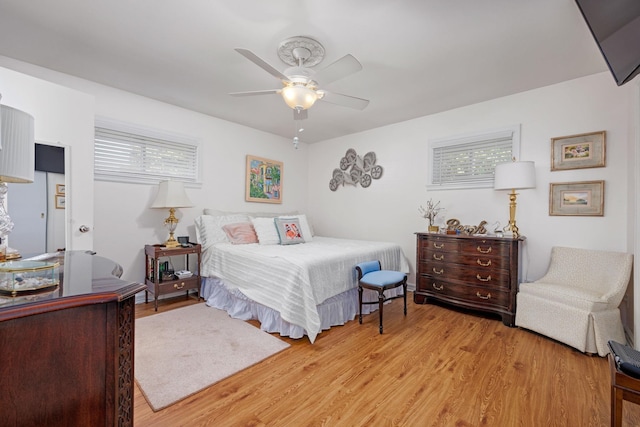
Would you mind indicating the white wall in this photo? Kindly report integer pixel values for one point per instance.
(63, 116)
(388, 209)
(123, 222)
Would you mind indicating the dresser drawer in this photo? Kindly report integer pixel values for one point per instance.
(486, 248)
(477, 296)
(479, 275)
(439, 243)
(491, 260)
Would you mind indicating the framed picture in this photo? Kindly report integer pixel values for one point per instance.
(60, 201)
(60, 189)
(586, 150)
(263, 180)
(584, 198)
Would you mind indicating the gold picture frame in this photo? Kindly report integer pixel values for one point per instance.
(585, 198)
(263, 180)
(60, 201)
(60, 189)
(585, 150)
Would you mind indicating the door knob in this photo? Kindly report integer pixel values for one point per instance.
(84, 229)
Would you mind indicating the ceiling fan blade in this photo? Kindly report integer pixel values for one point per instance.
(299, 114)
(345, 100)
(262, 64)
(256, 92)
(337, 70)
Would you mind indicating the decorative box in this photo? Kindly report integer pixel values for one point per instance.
(23, 277)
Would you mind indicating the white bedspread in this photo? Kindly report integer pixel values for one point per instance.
(294, 279)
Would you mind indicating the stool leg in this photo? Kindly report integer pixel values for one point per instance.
(404, 289)
(360, 304)
(381, 304)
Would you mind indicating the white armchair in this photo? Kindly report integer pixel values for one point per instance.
(577, 300)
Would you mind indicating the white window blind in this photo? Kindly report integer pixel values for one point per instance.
(125, 156)
(469, 161)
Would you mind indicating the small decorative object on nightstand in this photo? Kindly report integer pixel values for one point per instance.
(160, 281)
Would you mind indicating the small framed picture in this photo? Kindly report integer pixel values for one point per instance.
(586, 150)
(60, 189)
(584, 198)
(263, 180)
(60, 201)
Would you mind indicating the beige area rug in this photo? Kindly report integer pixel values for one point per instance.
(182, 351)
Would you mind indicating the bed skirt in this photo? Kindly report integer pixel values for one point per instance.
(334, 311)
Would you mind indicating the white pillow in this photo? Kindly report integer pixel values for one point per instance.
(209, 228)
(266, 231)
(304, 225)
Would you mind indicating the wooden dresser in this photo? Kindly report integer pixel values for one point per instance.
(479, 273)
(67, 355)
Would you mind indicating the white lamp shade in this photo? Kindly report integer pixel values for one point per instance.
(171, 194)
(514, 176)
(299, 96)
(17, 155)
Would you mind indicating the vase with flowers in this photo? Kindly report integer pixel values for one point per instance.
(430, 212)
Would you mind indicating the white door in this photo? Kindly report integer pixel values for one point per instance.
(27, 206)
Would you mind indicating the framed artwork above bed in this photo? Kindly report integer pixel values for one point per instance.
(263, 180)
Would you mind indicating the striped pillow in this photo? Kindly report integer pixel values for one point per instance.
(240, 233)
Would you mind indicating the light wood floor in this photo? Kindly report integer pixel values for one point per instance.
(436, 367)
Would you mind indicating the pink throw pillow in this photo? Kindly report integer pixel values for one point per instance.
(241, 233)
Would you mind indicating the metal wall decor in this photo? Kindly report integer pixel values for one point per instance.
(356, 170)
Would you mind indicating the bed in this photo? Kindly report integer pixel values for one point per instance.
(295, 290)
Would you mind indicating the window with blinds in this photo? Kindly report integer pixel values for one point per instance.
(469, 161)
(133, 155)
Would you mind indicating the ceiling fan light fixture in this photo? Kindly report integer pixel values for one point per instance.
(299, 96)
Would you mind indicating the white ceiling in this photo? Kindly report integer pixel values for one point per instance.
(419, 57)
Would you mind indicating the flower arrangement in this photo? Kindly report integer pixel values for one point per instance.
(430, 212)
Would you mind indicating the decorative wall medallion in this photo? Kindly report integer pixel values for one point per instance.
(356, 170)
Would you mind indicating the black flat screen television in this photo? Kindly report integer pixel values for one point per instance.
(615, 25)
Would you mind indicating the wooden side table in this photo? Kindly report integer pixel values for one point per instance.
(153, 279)
(623, 387)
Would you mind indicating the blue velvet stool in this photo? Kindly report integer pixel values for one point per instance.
(371, 276)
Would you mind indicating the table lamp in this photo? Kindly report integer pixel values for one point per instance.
(171, 195)
(514, 176)
(17, 161)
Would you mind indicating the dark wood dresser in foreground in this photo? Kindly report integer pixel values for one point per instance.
(66, 356)
(473, 272)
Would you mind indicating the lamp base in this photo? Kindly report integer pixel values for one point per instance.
(171, 243)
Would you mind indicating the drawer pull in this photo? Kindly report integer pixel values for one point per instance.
(479, 295)
(438, 271)
(438, 257)
(486, 251)
(436, 287)
(488, 279)
(484, 264)
(435, 245)
(178, 287)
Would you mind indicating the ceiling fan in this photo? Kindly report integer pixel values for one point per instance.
(300, 84)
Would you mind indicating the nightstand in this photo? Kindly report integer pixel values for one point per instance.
(159, 285)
